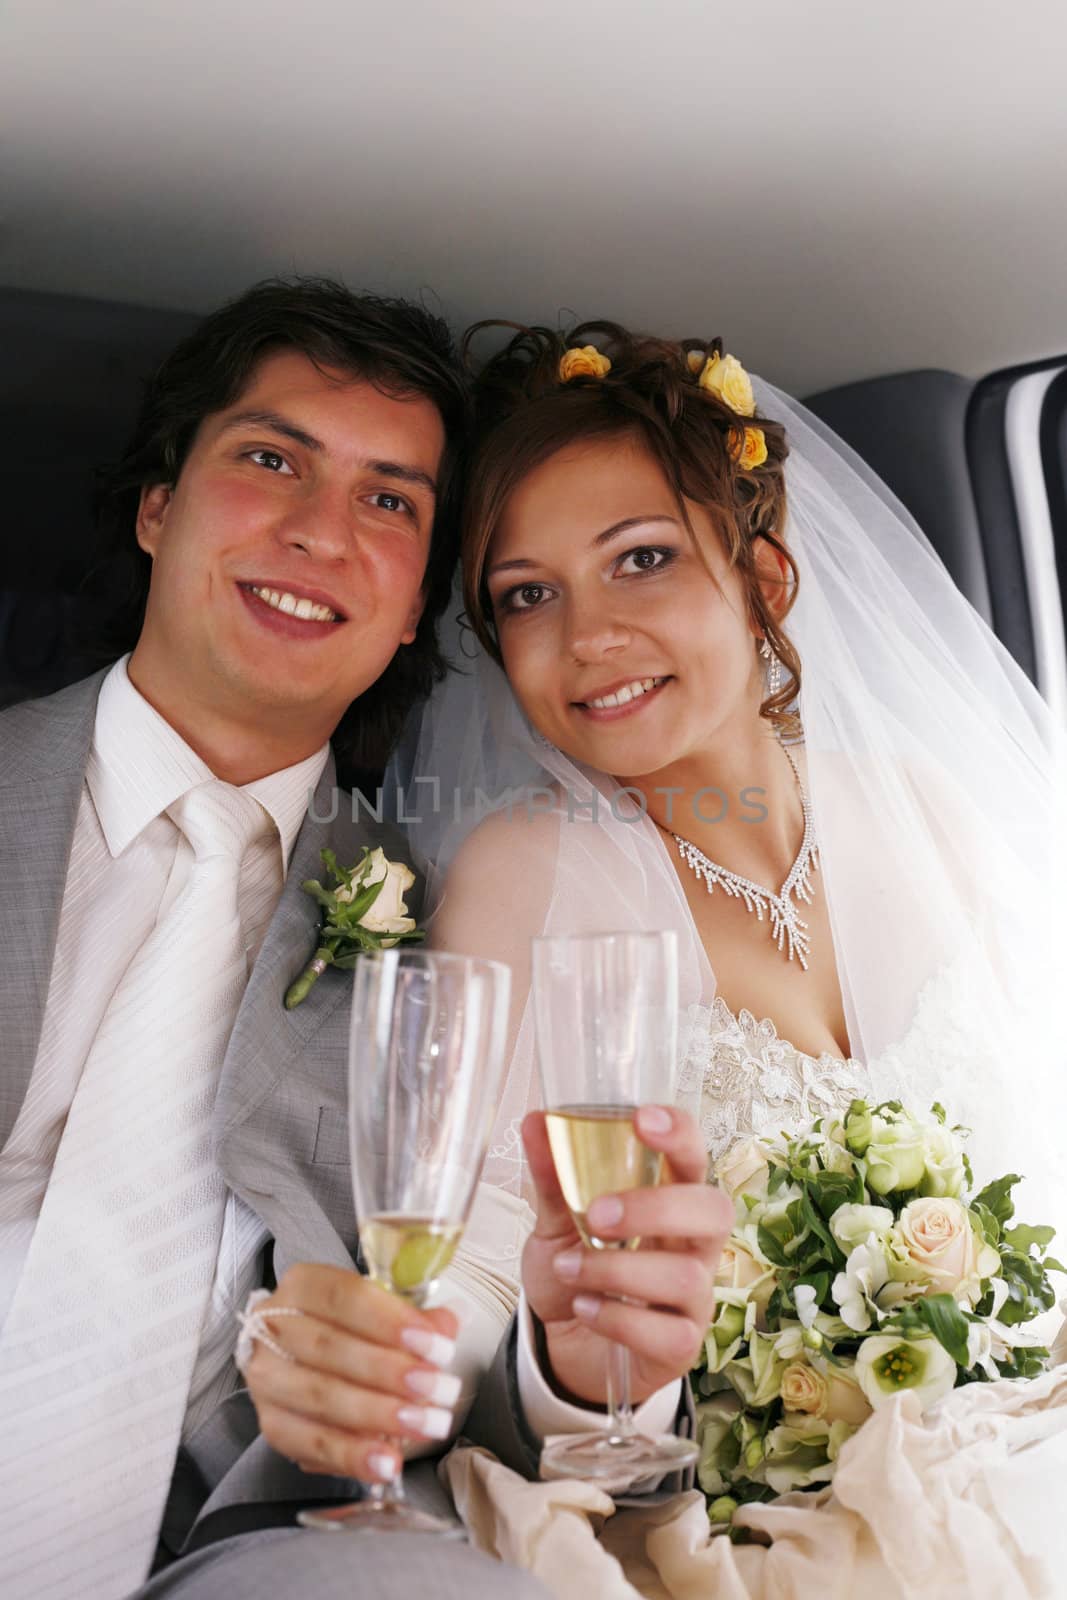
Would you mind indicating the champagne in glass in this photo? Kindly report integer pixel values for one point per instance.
(406, 1254)
(597, 1151)
(606, 1015)
(426, 1056)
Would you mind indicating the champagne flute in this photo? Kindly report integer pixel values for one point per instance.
(426, 1053)
(606, 1015)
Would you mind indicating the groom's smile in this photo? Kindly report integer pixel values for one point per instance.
(294, 611)
(289, 555)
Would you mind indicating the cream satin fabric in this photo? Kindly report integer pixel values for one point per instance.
(99, 1345)
(966, 1504)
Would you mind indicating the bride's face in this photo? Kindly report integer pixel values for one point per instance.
(599, 591)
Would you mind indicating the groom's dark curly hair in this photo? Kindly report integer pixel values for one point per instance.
(404, 350)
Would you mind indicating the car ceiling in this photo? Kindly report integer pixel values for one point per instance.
(839, 189)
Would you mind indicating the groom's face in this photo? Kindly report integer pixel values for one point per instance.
(288, 559)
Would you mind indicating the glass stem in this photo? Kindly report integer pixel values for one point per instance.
(387, 1494)
(392, 1493)
(618, 1380)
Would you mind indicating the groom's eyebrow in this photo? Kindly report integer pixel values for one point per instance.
(277, 424)
(403, 474)
(602, 538)
(289, 430)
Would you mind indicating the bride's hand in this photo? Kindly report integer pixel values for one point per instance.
(579, 1294)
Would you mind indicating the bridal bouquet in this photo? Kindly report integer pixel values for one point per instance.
(857, 1268)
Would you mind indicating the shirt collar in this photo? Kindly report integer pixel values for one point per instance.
(139, 765)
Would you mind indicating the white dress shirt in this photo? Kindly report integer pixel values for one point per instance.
(128, 864)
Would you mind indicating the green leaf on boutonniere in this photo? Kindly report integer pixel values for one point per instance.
(362, 909)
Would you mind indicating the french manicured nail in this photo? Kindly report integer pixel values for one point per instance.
(568, 1263)
(604, 1213)
(586, 1305)
(440, 1387)
(386, 1468)
(433, 1422)
(431, 1347)
(654, 1119)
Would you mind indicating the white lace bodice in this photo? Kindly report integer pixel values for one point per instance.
(738, 1077)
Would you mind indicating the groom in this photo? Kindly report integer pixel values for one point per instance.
(170, 1136)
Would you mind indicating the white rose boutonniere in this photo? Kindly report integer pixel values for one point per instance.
(363, 909)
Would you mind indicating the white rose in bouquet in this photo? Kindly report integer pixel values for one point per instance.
(740, 1270)
(757, 1378)
(818, 1390)
(727, 1332)
(939, 1239)
(854, 1224)
(744, 1169)
(804, 1389)
(945, 1173)
(801, 1451)
(718, 1446)
(846, 1401)
(896, 1155)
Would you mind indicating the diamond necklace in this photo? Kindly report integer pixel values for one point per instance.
(788, 927)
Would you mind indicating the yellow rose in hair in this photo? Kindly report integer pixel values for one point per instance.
(726, 377)
(584, 363)
(748, 452)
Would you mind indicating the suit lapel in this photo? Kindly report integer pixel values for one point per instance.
(45, 750)
(266, 1037)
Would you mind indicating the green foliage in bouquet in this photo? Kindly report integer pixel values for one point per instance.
(362, 909)
(857, 1269)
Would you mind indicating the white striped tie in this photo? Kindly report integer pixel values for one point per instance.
(98, 1348)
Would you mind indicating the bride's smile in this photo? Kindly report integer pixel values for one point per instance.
(620, 700)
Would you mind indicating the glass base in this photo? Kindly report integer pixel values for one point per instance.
(623, 1460)
(379, 1516)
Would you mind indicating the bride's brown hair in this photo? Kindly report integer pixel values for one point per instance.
(526, 413)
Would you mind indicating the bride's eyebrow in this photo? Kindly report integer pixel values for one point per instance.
(632, 522)
(601, 538)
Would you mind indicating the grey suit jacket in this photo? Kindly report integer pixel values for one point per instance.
(280, 1126)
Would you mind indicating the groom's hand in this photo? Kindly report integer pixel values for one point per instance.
(362, 1372)
(581, 1296)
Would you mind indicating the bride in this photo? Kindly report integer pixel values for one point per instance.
(714, 679)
